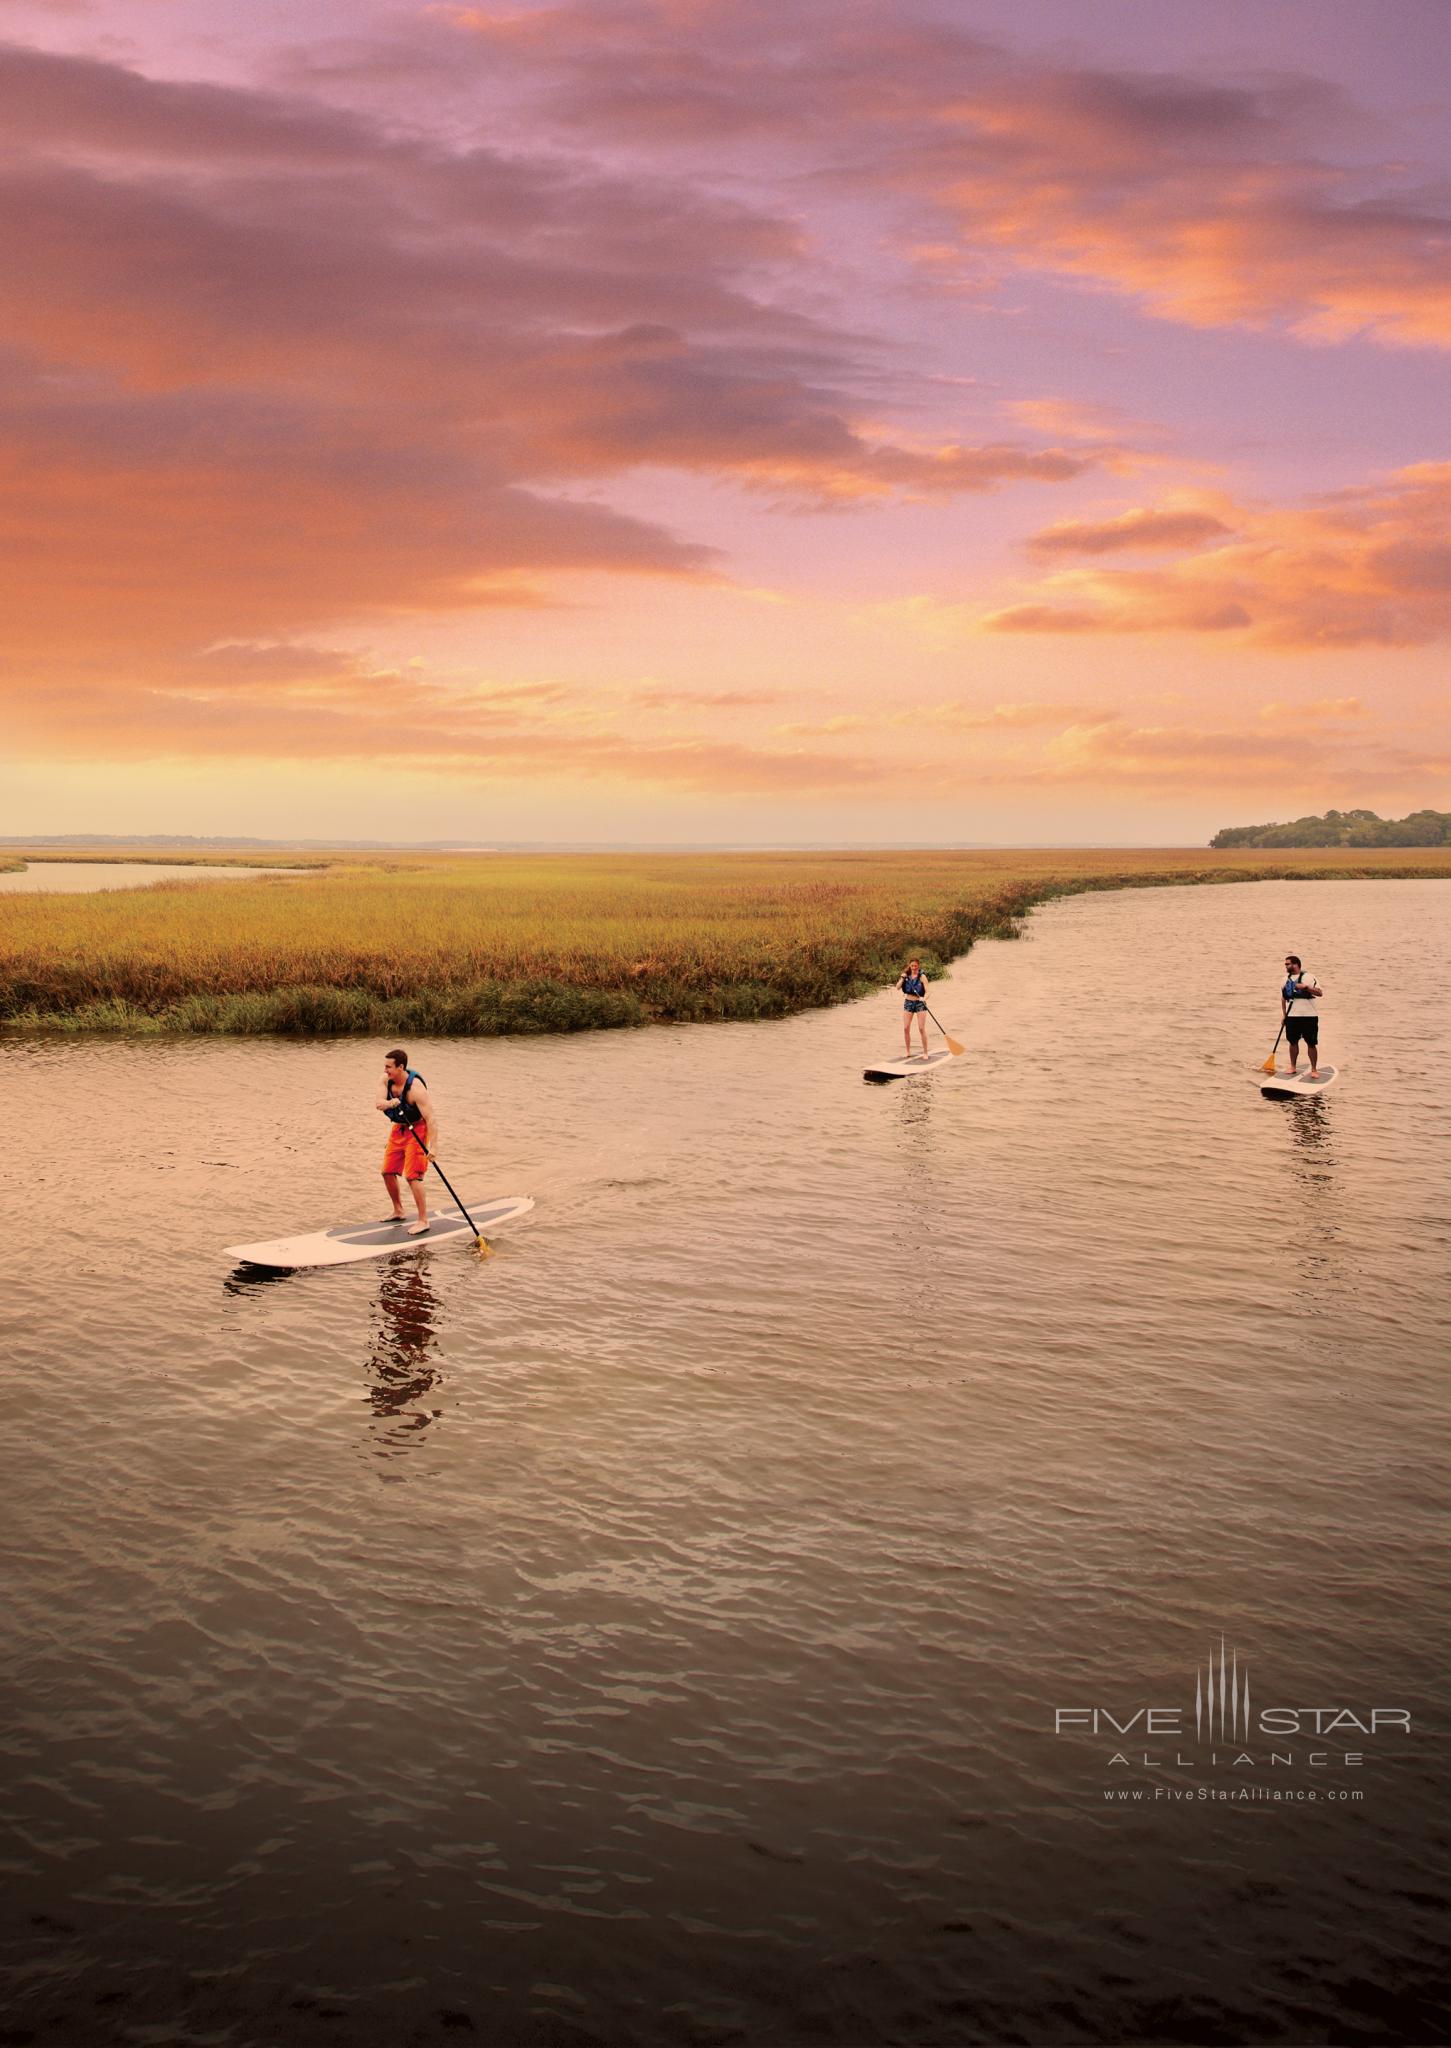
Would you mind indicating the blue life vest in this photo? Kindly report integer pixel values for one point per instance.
(913, 985)
(403, 1112)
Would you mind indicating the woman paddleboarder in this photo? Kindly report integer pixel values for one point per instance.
(913, 985)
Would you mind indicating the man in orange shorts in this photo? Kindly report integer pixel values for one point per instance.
(413, 1139)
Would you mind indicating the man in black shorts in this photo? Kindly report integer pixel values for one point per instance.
(1300, 1006)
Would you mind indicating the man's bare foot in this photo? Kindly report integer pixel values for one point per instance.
(417, 1229)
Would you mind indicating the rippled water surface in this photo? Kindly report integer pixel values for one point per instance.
(654, 1632)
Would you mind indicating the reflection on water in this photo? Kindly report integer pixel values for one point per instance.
(400, 1369)
(804, 1449)
(914, 1099)
(1311, 1235)
(1309, 1119)
(913, 1277)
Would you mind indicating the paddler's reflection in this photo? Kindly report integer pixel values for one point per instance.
(914, 1109)
(916, 1212)
(1308, 1125)
(1311, 1236)
(401, 1376)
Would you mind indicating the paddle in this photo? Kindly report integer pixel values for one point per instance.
(1268, 1066)
(952, 1045)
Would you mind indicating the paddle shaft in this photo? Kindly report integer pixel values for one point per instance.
(952, 1044)
(410, 1128)
(479, 1235)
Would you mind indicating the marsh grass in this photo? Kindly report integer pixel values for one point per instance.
(485, 944)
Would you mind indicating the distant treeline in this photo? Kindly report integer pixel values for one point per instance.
(1344, 828)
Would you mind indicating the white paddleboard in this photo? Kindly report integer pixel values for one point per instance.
(911, 1063)
(1285, 1087)
(348, 1241)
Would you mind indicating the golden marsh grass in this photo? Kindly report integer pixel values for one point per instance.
(555, 942)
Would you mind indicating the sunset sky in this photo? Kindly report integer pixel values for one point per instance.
(703, 420)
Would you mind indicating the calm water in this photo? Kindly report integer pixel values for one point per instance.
(76, 877)
(653, 1633)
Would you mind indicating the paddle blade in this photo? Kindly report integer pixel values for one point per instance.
(953, 1047)
(1269, 1065)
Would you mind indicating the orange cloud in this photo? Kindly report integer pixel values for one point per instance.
(953, 715)
(1312, 759)
(879, 472)
(1308, 747)
(1212, 205)
(131, 525)
(1366, 567)
(303, 703)
(698, 700)
(1077, 419)
(1139, 529)
(1299, 715)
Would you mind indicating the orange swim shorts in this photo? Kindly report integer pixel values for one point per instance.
(405, 1153)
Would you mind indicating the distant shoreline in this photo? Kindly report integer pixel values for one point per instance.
(412, 944)
(20, 862)
(160, 846)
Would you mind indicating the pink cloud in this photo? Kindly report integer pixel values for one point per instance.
(1209, 201)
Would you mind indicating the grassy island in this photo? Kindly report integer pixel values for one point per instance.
(487, 943)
